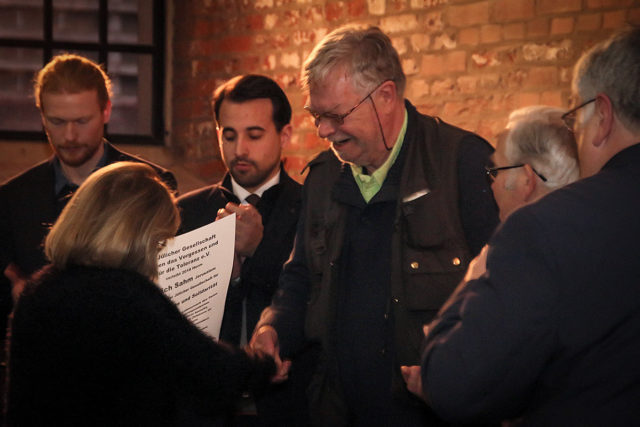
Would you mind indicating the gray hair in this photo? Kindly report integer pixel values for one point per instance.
(612, 67)
(366, 53)
(537, 136)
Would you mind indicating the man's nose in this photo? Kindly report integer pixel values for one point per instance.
(326, 127)
(242, 146)
(70, 131)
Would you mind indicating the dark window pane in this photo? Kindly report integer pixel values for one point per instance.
(21, 19)
(132, 84)
(90, 54)
(17, 105)
(75, 20)
(130, 21)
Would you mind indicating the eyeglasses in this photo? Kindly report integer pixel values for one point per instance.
(569, 118)
(338, 119)
(491, 173)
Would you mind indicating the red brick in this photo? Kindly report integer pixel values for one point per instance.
(455, 61)
(398, 5)
(513, 10)
(255, 22)
(513, 31)
(590, 22)
(554, 6)
(334, 11)
(291, 18)
(235, 44)
(538, 27)
(598, 4)
(432, 65)
(490, 33)
(467, 84)
(469, 36)
(446, 87)
(552, 97)
(356, 8)
(468, 14)
(542, 76)
(614, 20)
(562, 26)
(525, 99)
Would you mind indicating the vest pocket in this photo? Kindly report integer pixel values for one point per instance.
(431, 276)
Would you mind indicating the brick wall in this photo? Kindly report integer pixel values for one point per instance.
(468, 61)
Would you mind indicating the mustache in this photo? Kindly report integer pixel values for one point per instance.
(235, 161)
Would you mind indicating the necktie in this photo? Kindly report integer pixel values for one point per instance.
(253, 199)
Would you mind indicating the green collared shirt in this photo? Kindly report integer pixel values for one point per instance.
(369, 185)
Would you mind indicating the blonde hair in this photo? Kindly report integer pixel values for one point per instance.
(116, 219)
(72, 73)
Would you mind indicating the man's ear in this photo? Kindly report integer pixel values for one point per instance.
(529, 184)
(604, 117)
(106, 113)
(285, 134)
(388, 93)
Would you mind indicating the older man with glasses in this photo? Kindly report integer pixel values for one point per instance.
(550, 334)
(391, 216)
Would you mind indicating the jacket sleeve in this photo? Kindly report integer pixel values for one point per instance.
(288, 308)
(478, 209)
(214, 372)
(493, 337)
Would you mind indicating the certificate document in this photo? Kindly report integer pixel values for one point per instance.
(194, 270)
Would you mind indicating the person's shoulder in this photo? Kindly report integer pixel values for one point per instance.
(201, 195)
(35, 175)
(116, 155)
(289, 183)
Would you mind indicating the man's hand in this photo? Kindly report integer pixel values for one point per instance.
(265, 339)
(412, 376)
(249, 228)
(17, 278)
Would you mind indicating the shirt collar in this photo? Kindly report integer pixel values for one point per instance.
(242, 194)
(370, 184)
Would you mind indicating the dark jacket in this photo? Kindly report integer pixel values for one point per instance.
(28, 207)
(96, 346)
(279, 207)
(550, 335)
(443, 214)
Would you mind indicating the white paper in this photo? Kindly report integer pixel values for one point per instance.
(194, 271)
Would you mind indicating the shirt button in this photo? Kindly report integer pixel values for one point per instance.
(386, 316)
(395, 300)
(415, 265)
(383, 351)
(456, 261)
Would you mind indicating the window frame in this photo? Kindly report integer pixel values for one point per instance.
(156, 49)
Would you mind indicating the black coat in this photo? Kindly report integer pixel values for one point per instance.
(28, 207)
(93, 346)
(279, 207)
(551, 333)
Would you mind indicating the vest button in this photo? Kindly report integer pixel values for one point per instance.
(415, 265)
(456, 261)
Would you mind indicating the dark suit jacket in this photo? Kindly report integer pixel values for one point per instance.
(551, 333)
(28, 207)
(279, 207)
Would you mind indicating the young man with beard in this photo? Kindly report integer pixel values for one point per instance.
(73, 95)
(253, 116)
